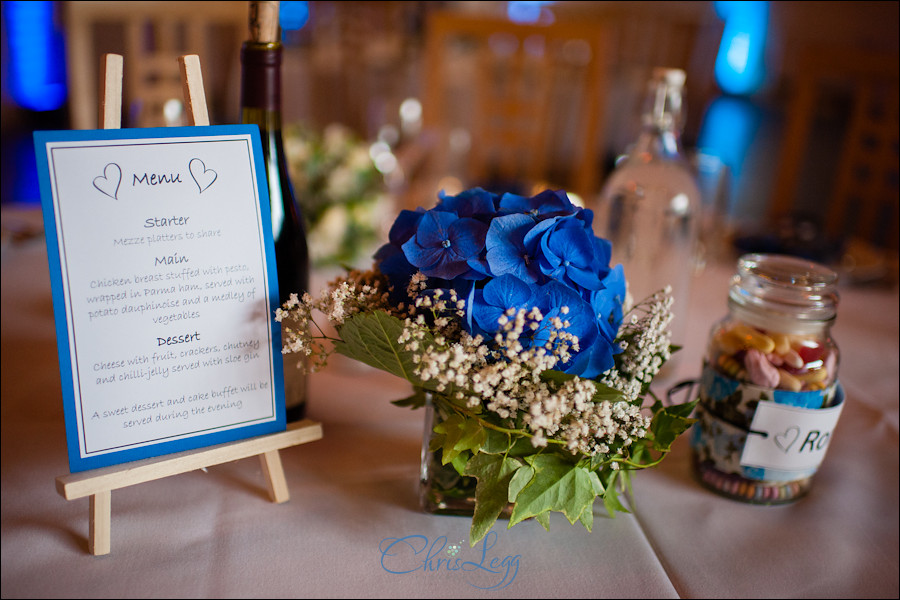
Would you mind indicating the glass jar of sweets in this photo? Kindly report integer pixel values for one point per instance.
(769, 394)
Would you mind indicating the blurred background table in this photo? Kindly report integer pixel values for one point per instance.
(214, 533)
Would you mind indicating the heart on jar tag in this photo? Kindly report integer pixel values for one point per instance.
(202, 176)
(785, 440)
(108, 183)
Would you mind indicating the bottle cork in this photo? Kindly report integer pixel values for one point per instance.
(264, 22)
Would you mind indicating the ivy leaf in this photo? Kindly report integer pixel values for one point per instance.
(682, 410)
(596, 484)
(417, 400)
(519, 481)
(493, 473)
(587, 516)
(496, 442)
(611, 497)
(521, 447)
(640, 449)
(371, 338)
(459, 435)
(556, 376)
(557, 485)
(543, 519)
(670, 422)
(605, 392)
(459, 462)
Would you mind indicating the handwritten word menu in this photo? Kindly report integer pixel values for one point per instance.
(163, 287)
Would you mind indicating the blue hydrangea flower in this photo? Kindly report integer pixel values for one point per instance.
(515, 252)
(566, 251)
(444, 243)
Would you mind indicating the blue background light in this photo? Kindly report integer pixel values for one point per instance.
(293, 15)
(37, 74)
(740, 67)
(529, 12)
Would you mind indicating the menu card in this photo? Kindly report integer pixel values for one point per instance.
(164, 289)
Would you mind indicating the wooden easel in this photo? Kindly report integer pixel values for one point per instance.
(99, 483)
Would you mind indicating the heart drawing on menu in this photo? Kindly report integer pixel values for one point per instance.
(202, 176)
(109, 182)
(785, 440)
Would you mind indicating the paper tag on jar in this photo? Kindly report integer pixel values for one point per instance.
(788, 438)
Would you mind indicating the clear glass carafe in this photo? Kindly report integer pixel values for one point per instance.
(648, 207)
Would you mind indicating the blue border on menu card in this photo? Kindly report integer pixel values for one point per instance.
(78, 463)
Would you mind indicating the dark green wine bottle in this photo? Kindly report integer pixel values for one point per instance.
(261, 105)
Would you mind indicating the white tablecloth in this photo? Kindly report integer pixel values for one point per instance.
(215, 534)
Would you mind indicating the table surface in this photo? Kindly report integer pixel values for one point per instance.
(214, 533)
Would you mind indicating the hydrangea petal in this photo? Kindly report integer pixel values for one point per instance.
(498, 295)
(506, 252)
(544, 204)
(404, 226)
(475, 203)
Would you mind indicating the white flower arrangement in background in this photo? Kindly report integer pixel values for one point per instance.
(340, 191)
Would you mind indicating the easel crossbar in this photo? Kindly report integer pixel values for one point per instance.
(89, 483)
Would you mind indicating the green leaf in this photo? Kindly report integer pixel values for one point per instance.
(371, 338)
(522, 447)
(611, 497)
(556, 376)
(604, 392)
(682, 410)
(557, 485)
(496, 442)
(493, 473)
(459, 434)
(543, 519)
(641, 449)
(596, 484)
(459, 462)
(417, 400)
(668, 423)
(519, 481)
(587, 516)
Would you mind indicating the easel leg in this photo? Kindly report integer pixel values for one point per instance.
(100, 523)
(274, 473)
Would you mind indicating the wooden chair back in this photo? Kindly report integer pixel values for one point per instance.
(152, 36)
(530, 97)
(863, 199)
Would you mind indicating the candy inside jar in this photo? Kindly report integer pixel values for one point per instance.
(773, 359)
(769, 380)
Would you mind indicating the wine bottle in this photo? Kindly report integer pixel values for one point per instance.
(261, 105)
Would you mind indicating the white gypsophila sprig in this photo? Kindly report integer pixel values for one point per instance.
(353, 293)
(645, 340)
(505, 378)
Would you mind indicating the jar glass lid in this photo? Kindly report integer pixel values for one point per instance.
(785, 285)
